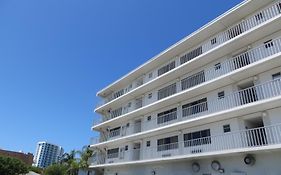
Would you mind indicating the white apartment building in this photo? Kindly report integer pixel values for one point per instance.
(47, 154)
(210, 104)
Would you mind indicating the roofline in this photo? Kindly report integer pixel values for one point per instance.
(49, 144)
(175, 45)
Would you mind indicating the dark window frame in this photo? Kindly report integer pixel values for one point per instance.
(197, 138)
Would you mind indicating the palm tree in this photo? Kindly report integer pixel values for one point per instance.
(85, 155)
(71, 162)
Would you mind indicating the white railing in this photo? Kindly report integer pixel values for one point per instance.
(195, 109)
(242, 27)
(116, 112)
(237, 62)
(167, 91)
(112, 155)
(166, 147)
(167, 118)
(114, 133)
(193, 80)
(237, 29)
(248, 138)
(249, 95)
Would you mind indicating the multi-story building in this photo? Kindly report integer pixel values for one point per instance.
(47, 154)
(26, 158)
(209, 104)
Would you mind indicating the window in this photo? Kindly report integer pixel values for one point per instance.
(126, 148)
(193, 80)
(226, 128)
(194, 107)
(217, 66)
(166, 68)
(149, 95)
(147, 143)
(128, 124)
(213, 41)
(259, 16)
(190, 55)
(276, 76)
(197, 138)
(268, 44)
(167, 91)
(167, 143)
(129, 104)
(221, 95)
(112, 153)
(114, 132)
(150, 75)
(167, 116)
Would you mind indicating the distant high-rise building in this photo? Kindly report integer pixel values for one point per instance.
(47, 154)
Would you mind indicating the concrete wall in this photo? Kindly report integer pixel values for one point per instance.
(265, 164)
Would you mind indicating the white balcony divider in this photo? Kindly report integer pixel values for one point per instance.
(214, 41)
(138, 103)
(136, 154)
(248, 138)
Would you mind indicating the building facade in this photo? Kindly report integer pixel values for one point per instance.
(47, 154)
(26, 158)
(210, 104)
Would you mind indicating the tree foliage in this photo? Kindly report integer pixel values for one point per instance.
(35, 169)
(12, 166)
(71, 163)
(55, 169)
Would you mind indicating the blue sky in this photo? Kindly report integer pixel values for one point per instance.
(56, 54)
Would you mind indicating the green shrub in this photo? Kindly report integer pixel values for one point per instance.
(12, 166)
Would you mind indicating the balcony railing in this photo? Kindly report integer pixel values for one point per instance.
(232, 32)
(112, 155)
(252, 94)
(249, 95)
(114, 133)
(167, 117)
(244, 59)
(249, 138)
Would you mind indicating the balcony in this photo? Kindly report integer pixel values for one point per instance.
(242, 97)
(221, 38)
(203, 107)
(230, 65)
(255, 138)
